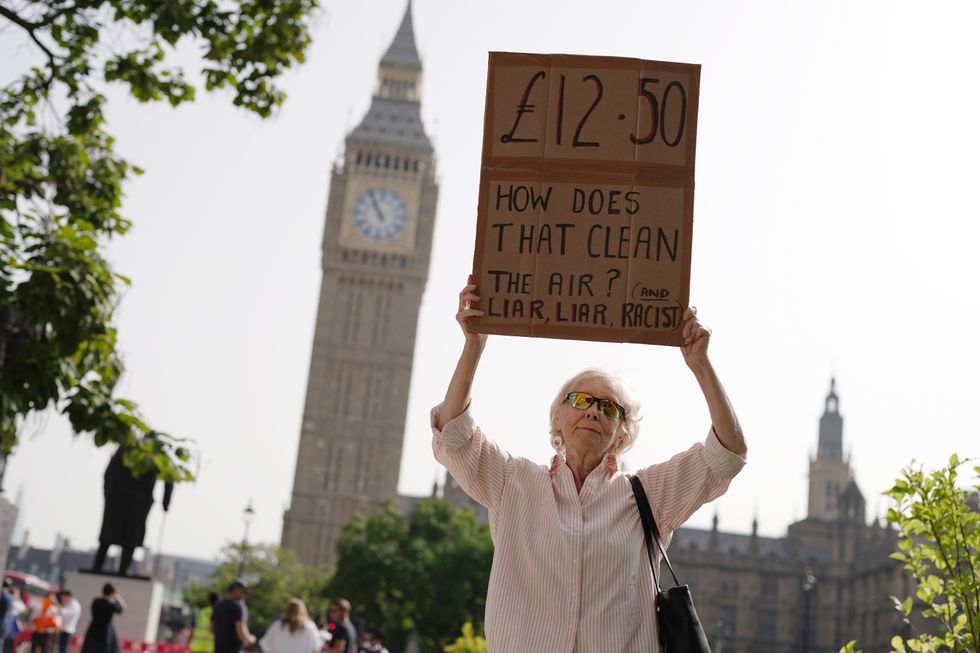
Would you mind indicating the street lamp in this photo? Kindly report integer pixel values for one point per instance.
(248, 516)
(809, 585)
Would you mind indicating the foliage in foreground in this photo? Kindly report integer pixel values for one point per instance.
(468, 642)
(939, 541)
(61, 187)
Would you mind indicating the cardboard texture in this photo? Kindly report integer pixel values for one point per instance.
(586, 197)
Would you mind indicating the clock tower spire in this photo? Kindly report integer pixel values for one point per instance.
(377, 241)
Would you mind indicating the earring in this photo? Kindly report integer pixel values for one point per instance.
(557, 443)
(611, 465)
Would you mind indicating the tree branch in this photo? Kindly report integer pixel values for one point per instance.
(55, 15)
(30, 28)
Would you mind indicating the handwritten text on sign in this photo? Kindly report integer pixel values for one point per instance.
(586, 198)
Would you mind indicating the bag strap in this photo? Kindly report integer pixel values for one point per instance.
(650, 527)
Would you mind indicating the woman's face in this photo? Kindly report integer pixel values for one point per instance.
(589, 432)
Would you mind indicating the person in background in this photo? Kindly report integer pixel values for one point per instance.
(13, 623)
(45, 624)
(374, 643)
(101, 636)
(71, 611)
(293, 632)
(6, 609)
(228, 621)
(202, 639)
(344, 635)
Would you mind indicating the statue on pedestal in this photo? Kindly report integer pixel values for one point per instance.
(128, 500)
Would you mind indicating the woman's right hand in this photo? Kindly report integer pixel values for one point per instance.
(467, 297)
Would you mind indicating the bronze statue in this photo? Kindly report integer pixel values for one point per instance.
(128, 500)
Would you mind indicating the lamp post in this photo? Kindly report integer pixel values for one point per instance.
(809, 585)
(248, 515)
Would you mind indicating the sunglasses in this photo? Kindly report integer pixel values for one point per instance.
(584, 401)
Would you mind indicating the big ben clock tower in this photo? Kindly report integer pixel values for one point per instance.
(376, 246)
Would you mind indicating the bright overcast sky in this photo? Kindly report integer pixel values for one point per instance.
(835, 233)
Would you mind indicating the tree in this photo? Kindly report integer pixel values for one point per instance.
(938, 544)
(428, 573)
(61, 188)
(274, 576)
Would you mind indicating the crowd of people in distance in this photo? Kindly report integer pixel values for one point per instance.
(226, 621)
(51, 621)
(221, 627)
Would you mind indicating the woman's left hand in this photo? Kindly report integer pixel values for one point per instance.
(696, 337)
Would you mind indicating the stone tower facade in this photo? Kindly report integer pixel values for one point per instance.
(830, 472)
(377, 242)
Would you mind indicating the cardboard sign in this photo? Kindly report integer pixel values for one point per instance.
(586, 198)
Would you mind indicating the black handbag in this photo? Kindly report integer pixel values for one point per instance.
(678, 626)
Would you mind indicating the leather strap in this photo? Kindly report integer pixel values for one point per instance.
(650, 527)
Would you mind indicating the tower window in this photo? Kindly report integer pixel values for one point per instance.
(360, 156)
(367, 160)
(415, 165)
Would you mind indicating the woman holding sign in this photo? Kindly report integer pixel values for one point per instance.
(569, 568)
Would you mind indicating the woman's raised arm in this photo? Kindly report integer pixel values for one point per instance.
(695, 352)
(458, 392)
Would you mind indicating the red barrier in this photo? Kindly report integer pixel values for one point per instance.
(22, 644)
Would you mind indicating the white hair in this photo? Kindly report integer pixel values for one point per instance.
(631, 420)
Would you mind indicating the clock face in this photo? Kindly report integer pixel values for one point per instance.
(380, 214)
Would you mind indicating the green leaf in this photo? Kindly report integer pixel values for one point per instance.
(64, 181)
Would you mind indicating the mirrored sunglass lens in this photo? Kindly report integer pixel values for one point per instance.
(581, 400)
(609, 409)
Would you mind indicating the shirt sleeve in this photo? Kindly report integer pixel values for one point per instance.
(339, 634)
(476, 462)
(268, 640)
(678, 487)
(316, 642)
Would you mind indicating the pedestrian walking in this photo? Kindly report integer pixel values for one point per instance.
(344, 635)
(45, 623)
(229, 622)
(13, 623)
(202, 639)
(6, 610)
(100, 637)
(293, 632)
(71, 611)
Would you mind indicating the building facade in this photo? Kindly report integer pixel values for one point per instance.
(826, 582)
(377, 241)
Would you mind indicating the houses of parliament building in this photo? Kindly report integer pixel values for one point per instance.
(826, 582)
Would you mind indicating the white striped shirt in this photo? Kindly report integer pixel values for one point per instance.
(570, 572)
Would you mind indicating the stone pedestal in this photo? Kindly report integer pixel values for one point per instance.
(8, 518)
(143, 597)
